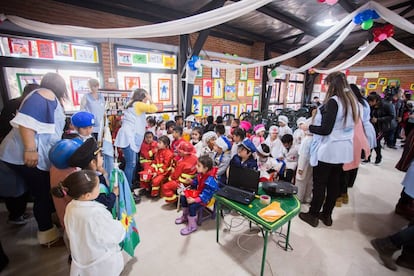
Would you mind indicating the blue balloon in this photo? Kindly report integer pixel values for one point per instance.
(358, 19)
(366, 15)
(192, 61)
(375, 15)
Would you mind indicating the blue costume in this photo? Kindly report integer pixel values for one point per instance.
(250, 163)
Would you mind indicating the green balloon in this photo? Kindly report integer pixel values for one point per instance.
(367, 24)
(274, 73)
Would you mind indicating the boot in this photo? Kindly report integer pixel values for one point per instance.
(183, 218)
(405, 209)
(385, 249)
(338, 202)
(326, 219)
(345, 198)
(309, 218)
(191, 227)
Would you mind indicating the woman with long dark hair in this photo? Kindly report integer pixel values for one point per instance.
(332, 146)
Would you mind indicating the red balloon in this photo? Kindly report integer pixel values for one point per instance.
(321, 1)
(376, 39)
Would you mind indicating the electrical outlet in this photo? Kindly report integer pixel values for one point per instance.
(111, 80)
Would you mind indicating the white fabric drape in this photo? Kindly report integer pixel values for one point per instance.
(351, 61)
(186, 25)
(393, 18)
(403, 48)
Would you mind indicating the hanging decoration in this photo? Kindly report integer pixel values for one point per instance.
(382, 33)
(366, 19)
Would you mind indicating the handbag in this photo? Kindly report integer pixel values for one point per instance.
(11, 184)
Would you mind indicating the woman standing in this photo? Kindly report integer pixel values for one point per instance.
(331, 147)
(95, 104)
(131, 133)
(36, 128)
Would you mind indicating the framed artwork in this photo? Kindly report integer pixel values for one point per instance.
(230, 93)
(23, 79)
(216, 110)
(243, 74)
(160, 106)
(241, 89)
(249, 107)
(196, 106)
(63, 49)
(196, 90)
(257, 73)
(394, 83)
(140, 58)
(207, 110)
(230, 76)
(20, 47)
(364, 82)
(164, 90)
(199, 72)
(234, 109)
(79, 86)
(372, 85)
(250, 88)
(124, 59)
(44, 48)
(132, 83)
(256, 103)
(155, 59)
(215, 72)
(242, 108)
(218, 88)
(225, 108)
(207, 89)
(86, 54)
(382, 81)
(412, 86)
(169, 61)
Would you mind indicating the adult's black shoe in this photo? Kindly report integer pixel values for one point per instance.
(327, 220)
(309, 219)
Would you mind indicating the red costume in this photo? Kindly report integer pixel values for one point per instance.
(184, 172)
(160, 169)
(146, 158)
(174, 146)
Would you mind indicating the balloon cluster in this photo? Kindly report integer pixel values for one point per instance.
(271, 77)
(329, 2)
(366, 19)
(192, 63)
(311, 71)
(382, 33)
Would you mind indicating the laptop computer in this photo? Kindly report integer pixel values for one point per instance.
(242, 185)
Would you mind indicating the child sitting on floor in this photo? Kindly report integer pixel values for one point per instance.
(222, 158)
(202, 190)
(148, 149)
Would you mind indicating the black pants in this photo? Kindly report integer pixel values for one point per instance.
(405, 199)
(348, 180)
(287, 175)
(16, 205)
(377, 149)
(326, 179)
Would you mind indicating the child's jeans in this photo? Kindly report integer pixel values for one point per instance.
(192, 208)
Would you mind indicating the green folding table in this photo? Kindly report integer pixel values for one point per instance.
(290, 205)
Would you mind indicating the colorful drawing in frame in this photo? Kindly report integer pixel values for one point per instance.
(164, 90)
(257, 73)
(215, 72)
(394, 83)
(243, 73)
(249, 107)
(140, 58)
(242, 108)
(132, 83)
(250, 88)
(234, 109)
(225, 109)
(372, 85)
(196, 90)
(216, 110)
(230, 76)
(199, 72)
(256, 103)
(218, 88)
(20, 47)
(412, 86)
(23, 79)
(124, 58)
(79, 86)
(63, 49)
(241, 89)
(382, 81)
(44, 48)
(207, 110)
(86, 54)
(230, 93)
(207, 88)
(196, 106)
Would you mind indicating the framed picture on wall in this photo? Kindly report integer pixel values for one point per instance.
(257, 73)
(20, 47)
(216, 110)
(124, 59)
(196, 106)
(196, 90)
(250, 88)
(63, 49)
(249, 107)
(79, 86)
(225, 109)
(44, 48)
(256, 103)
(372, 85)
(412, 86)
(132, 83)
(230, 93)
(207, 110)
(199, 72)
(394, 82)
(241, 89)
(164, 89)
(243, 74)
(234, 109)
(207, 88)
(218, 88)
(215, 72)
(382, 81)
(23, 79)
(242, 108)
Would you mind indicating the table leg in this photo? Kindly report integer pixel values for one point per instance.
(218, 207)
(287, 237)
(266, 233)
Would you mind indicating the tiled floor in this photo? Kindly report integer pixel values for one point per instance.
(340, 250)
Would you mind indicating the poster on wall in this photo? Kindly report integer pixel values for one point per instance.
(207, 89)
(196, 90)
(255, 103)
(257, 73)
(63, 49)
(164, 90)
(299, 93)
(230, 93)
(24, 79)
(243, 74)
(250, 88)
(139, 58)
(132, 83)
(230, 76)
(196, 106)
(87, 54)
(199, 72)
(169, 61)
(225, 109)
(291, 92)
(351, 79)
(207, 110)
(44, 48)
(249, 107)
(218, 88)
(215, 72)
(155, 59)
(242, 108)
(234, 109)
(124, 58)
(216, 110)
(78, 85)
(20, 47)
(241, 89)
(382, 81)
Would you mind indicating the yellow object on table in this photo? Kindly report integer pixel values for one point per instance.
(271, 212)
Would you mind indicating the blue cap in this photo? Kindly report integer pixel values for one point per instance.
(248, 145)
(60, 153)
(83, 119)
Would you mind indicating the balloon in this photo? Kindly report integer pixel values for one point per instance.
(367, 24)
(192, 63)
(358, 19)
(382, 37)
(321, 1)
(331, 2)
(273, 73)
(366, 15)
(375, 15)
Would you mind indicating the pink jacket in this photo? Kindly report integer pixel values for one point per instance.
(360, 144)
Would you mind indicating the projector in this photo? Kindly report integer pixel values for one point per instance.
(279, 188)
